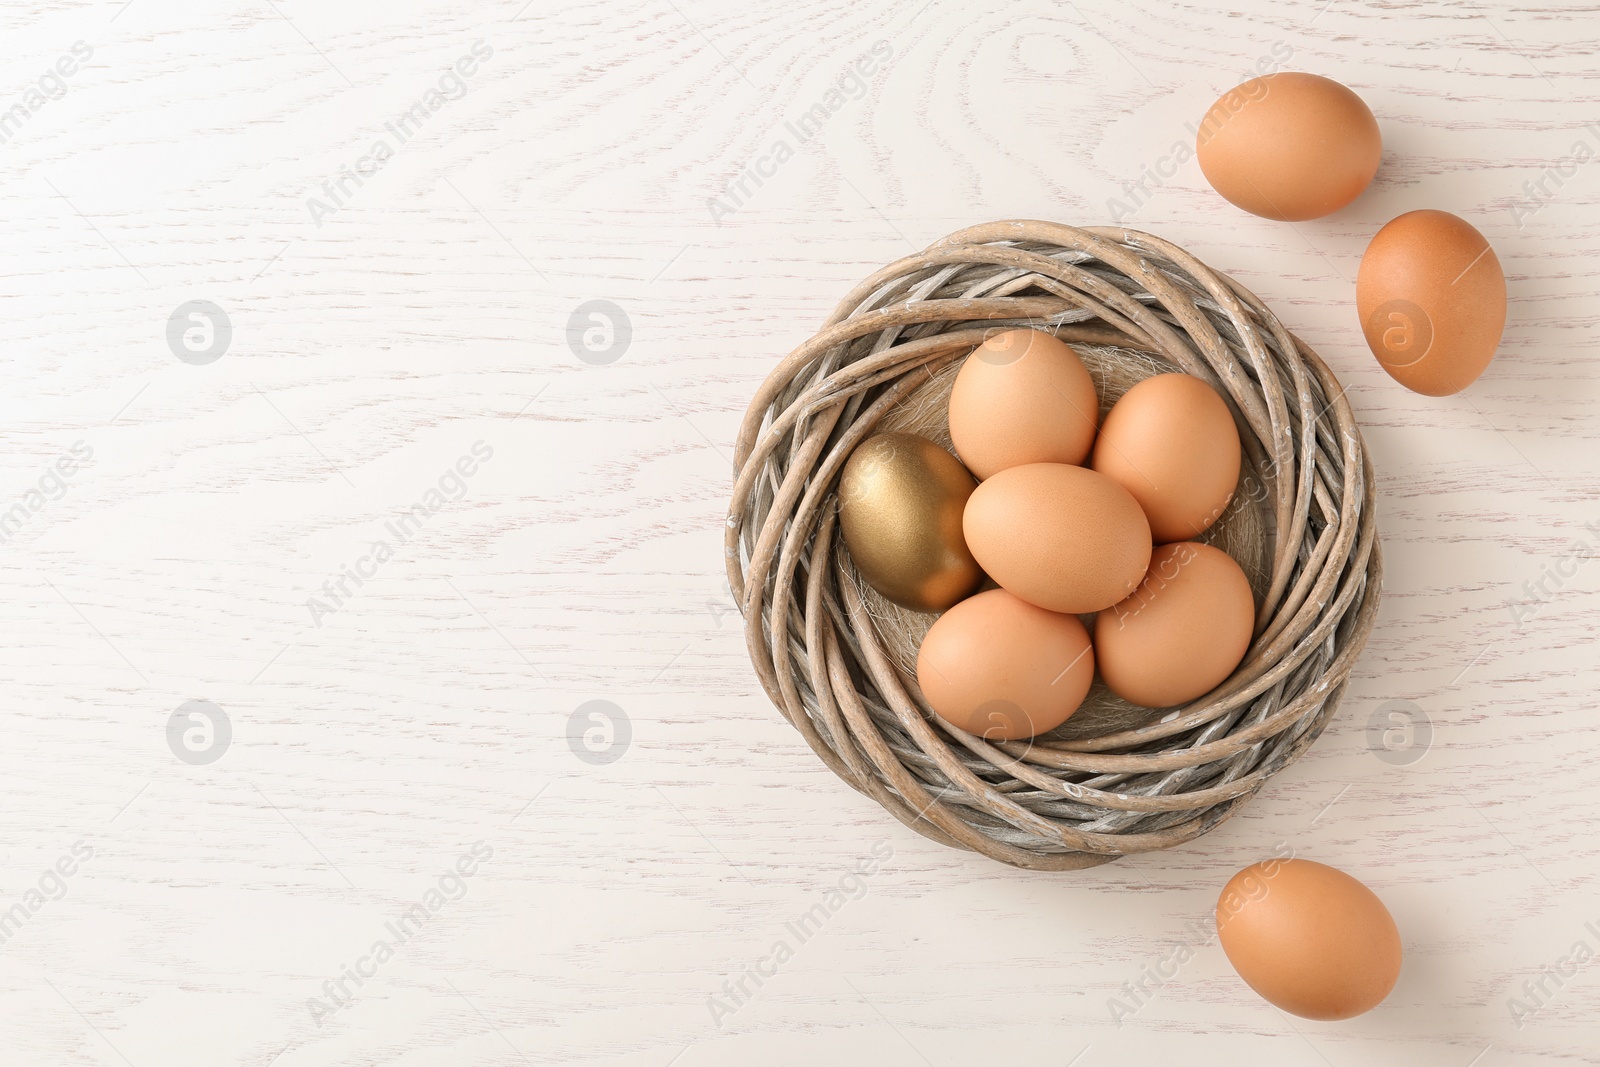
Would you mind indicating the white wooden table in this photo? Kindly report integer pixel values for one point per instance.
(180, 516)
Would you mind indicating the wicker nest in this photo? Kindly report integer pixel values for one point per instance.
(1113, 780)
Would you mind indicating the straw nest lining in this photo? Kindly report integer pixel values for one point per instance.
(1114, 780)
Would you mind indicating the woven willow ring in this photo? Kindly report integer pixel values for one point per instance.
(825, 650)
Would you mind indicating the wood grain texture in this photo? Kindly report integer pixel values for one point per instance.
(582, 562)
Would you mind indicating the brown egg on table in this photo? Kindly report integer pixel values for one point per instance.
(1432, 301)
(998, 667)
(1289, 146)
(1022, 397)
(1309, 938)
(1062, 537)
(1171, 442)
(901, 499)
(1182, 632)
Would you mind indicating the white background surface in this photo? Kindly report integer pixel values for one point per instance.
(583, 562)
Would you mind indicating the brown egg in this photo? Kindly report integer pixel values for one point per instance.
(901, 499)
(1061, 537)
(1289, 146)
(1309, 938)
(1171, 442)
(1432, 301)
(1022, 397)
(998, 667)
(1182, 632)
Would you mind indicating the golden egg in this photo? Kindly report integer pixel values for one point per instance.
(901, 499)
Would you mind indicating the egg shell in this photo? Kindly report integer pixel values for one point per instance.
(998, 667)
(901, 501)
(1432, 301)
(1172, 443)
(1022, 397)
(1182, 632)
(1309, 938)
(1289, 146)
(1064, 538)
